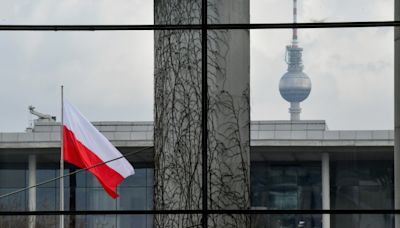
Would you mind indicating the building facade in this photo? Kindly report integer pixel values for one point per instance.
(293, 164)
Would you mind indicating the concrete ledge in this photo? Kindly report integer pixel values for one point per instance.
(263, 133)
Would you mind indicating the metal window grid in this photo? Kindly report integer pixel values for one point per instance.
(204, 27)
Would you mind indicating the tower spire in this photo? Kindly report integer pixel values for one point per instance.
(294, 86)
(294, 35)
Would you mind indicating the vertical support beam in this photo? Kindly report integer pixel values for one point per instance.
(397, 114)
(72, 197)
(178, 113)
(326, 202)
(204, 113)
(32, 191)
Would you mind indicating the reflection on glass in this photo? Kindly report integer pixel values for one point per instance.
(355, 185)
(139, 179)
(132, 221)
(135, 194)
(16, 202)
(46, 199)
(12, 178)
(133, 199)
(101, 221)
(80, 12)
(272, 11)
(14, 221)
(46, 174)
(361, 221)
(286, 185)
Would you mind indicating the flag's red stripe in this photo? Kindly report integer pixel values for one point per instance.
(78, 154)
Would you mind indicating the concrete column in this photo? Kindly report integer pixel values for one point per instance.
(397, 114)
(326, 202)
(32, 191)
(178, 127)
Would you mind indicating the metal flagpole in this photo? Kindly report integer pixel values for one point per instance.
(62, 159)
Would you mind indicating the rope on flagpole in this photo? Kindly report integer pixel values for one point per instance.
(72, 173)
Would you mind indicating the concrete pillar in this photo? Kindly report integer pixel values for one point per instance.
(177, 128)
(326, 205)
(397, 114)
(32, 191)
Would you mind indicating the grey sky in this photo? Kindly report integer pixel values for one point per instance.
(109, 75)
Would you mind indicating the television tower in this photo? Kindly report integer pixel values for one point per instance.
(295, 85)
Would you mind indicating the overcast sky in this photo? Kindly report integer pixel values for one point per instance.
(109, 75)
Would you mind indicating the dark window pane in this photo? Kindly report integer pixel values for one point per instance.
(362, 184)
(132, 199)
(150, 177)
(80, 179)
(98, 199)
(373, 197)
(138, 179)
(16, 202)
(14, 221)
(80, 198)
(361, 221)
(46, 199)
(66, 198)
(48, 221)
(149, 199)
(91, 180)
(45, 175)
(278, 185)
(101, 221)
(132, 221)
(12, 178)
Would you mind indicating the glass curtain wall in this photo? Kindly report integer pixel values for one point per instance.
(355, 184)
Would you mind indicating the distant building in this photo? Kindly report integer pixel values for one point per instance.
(286, 173)
(296, 164)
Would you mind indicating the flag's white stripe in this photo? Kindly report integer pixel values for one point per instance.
(96, 142)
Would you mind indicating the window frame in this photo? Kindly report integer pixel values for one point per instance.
(204, 27)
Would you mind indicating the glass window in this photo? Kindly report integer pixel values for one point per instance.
(80, 200)
(275, 11)
(355, 185)
(132, 198)
(101, 221)
(12, 178)
(139, 179)
(16, 202)
(362, 220)
(46, 199)
(88, 12)
(341, 64)
(45, 175)
(133, 221)
(80, 179)
(150, 177)
(98, 199)
(14, 221)
(351, 70)
(283, 185)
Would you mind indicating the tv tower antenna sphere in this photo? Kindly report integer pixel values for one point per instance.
(295, 85)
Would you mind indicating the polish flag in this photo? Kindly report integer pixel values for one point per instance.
(85, 146)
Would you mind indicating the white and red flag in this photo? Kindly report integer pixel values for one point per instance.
(85, 146)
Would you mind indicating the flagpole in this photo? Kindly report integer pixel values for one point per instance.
(62, 159)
